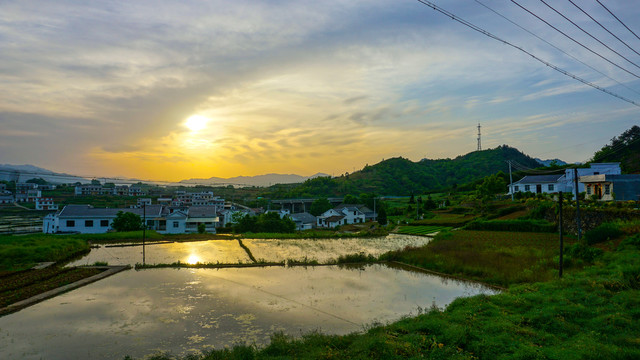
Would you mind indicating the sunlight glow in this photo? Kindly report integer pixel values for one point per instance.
(196, 123)
(193, 259)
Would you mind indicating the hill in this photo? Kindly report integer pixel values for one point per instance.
(624, 149)
(399, 176)
(22, 173)
(259, 180)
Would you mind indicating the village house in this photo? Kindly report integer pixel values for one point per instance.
(7, 199)
(45, 204)
(606, 187)
(303, 221)
(86, 219)
(340, 215)
(550, 184)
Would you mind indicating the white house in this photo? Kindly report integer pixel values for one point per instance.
(341, 215)
(562, 182)
(7, 199)
(45, 204)
(303, 221)
(89, 220)
(176, 223)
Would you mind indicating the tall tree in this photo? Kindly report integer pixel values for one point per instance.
(319, 206)
(126, 221)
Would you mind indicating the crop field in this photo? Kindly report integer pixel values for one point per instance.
(497, 257)
(421, 230)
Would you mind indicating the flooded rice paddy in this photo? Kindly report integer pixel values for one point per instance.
(179, 311)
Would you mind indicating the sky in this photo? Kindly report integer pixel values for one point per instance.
(171, 90)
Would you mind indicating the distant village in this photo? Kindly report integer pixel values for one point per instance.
(185, 212)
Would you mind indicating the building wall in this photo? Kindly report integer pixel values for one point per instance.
(81, 226)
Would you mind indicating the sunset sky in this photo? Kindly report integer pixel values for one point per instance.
(170, 90)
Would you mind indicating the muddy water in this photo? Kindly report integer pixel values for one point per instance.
(182, 310)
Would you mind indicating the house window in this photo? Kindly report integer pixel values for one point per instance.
(150, 223)
(550, 187)
(176, 224)
(71, 223)
(607, 189)
(588, 189)
(104, 223)
(516, 188)
(88, 223)
(527, 187)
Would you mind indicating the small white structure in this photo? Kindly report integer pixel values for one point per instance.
(86, 219)
(612, 187)
(303, 221)
(144, 202)
(7, 199)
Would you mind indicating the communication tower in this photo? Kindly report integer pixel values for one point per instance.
(479, 145)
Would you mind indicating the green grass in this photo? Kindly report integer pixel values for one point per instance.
(589, 314)
(496, 257)
(421, 230)
(21, 252)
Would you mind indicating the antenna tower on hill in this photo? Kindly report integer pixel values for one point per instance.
(479, 146)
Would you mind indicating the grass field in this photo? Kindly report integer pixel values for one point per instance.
(421, 230)
(22, 252)
(496, 257)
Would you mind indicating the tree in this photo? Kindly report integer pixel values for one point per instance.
(126, 221)
(39, 181)
(202, 228)
(382, 216)
(95, 182)
(350, 199)
(430, 204)
(412, 200)
(319, 206)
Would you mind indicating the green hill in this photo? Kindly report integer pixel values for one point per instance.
(399, 176)
(624, 149)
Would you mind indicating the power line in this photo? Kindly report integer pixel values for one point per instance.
(557, 48)
(620, 21)
(574, 40)
(589, 34)
(486, 33)
(602, 26)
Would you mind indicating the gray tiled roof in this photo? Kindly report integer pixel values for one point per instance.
(202, 211)
(90, 211)
(303, 217)
(538, 179)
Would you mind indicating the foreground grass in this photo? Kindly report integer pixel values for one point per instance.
(589, 314)
(496, 257)
(22, 252)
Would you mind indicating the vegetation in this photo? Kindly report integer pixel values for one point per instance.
(268, 223)
(421, 230)
(624, 149)
(403, 177)
(22, 252)
(513, 225)
(126, 221)
(602, 233)
(495, 257)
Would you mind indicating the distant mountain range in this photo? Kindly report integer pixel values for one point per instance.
(22, 173)
(259, 180)
(550, 161)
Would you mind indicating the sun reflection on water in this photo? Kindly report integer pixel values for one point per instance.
(193, 259)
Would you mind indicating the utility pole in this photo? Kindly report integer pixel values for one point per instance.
(510, 181)
(144, 230)
(479, 145)
(575, 180)
(561, 226)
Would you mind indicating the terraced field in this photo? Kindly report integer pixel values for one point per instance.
(421, 230)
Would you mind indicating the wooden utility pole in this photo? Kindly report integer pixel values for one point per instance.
(560, 230)
(144, 230)
(575, 180)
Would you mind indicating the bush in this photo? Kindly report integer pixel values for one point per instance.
(513, 225)
(584, 252)
(604, 232)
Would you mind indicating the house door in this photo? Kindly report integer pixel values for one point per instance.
(538, 189)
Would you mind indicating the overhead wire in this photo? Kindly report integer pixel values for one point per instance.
(576, 41)
(557, 48)
(589, 34)
(602, 26)
(486, 33)
(620, 21)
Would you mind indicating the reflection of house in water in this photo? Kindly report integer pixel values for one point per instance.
(612, 187)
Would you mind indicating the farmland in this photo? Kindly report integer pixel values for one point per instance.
(421, 230)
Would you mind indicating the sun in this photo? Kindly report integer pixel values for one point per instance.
(196, 123)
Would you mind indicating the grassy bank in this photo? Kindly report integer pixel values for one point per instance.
(317, 234)
(22, 252)
(496, 257)
(589, 314)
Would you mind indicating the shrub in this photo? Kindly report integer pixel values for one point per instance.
(584, 252)
(604, 232)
